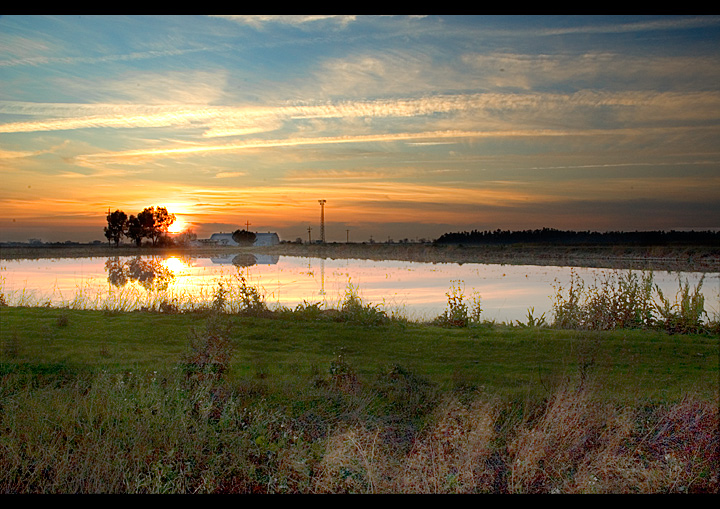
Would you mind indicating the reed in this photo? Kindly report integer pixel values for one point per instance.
(629, 300)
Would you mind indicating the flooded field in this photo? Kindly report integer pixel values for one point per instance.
(416, 290)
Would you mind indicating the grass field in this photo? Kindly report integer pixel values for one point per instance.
(500, 359)
(305, 402)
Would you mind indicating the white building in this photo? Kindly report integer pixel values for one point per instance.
(261, 239)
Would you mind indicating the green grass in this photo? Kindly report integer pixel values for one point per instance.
(501, 359)
(304, 401)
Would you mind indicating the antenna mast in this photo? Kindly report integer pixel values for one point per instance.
(322, 220)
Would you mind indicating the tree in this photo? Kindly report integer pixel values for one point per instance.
(152, 223)
(135, 230)
(243, 237)
(117, 226)
(185, 238)
(157, 222)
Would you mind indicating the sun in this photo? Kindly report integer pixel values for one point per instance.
(178, 226)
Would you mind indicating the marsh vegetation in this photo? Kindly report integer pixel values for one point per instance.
(614, 391)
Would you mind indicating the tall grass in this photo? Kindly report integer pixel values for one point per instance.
(166, 433)
(629, 300)
(615, 300)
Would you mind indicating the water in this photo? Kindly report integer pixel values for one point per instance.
(412, 289)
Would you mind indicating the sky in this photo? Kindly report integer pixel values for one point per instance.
(408, 126)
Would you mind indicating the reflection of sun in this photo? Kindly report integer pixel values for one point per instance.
(175, 265)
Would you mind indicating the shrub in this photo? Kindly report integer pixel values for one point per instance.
(626, 301)
(249, 298)
(685, 314)
(458, 313)
(209, 352)
(353, 309)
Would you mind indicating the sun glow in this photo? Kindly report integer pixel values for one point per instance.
(178, 226)
(175, 265)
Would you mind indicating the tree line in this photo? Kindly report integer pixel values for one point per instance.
(553, 236)
(152, 223)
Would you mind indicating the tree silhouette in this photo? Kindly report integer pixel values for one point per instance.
(117, 226)
(243, 237)
(152, 223)
(135, 230)
(162, 220)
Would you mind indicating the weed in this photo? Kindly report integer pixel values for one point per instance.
(532, 321)
(62, 320)
(568, 310)
(458, 313)
(451, 456)
(342, 374)
(12, 347)
(685, 314)
(353, 309)
(308, 311)
(219, 298)
(169, 307)
(626, 301)
(148, 432)
(210, 351)
(249, 298)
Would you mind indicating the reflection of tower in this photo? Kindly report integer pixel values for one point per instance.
(322, 276)
(322, 220)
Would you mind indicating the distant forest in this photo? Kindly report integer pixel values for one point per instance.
(552, 236)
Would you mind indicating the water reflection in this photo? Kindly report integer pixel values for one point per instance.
(415, 289)
(245, 259)
(153, 273)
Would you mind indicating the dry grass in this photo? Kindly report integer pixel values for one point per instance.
(575, 445)
(454, 454)
(147, 433)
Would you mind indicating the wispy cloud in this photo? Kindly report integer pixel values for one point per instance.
(127, 57)
(219, 121)
(258, 20)
(229, 174)
(325, 140)
(672, 23)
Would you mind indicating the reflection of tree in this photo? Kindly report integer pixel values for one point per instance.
(151, 274)
(116, 273)
(244, 260)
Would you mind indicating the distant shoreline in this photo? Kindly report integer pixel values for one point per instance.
(665, 257)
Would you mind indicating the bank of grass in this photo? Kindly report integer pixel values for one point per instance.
(502, 359)
(230, 396)
(311, 401)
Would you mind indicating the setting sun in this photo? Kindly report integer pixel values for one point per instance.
(178, 226)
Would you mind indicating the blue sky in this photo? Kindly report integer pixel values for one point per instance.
(409, 126)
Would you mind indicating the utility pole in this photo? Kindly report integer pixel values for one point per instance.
(347, 236)
(322, 220)
(309, 237)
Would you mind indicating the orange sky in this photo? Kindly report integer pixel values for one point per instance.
(408, 126)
